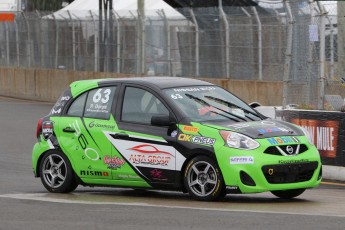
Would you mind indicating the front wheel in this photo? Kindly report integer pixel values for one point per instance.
(203, 180)
(56, 173)
(288, 194)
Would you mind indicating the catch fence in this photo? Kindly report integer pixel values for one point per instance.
(293, 41)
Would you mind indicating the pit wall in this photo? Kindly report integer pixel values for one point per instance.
(48, 84)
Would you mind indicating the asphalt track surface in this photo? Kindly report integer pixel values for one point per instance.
(25, 204)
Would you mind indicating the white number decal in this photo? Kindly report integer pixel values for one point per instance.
(107, 93)
(98, 96)
(176, 96)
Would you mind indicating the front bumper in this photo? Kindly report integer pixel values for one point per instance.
(254, 171)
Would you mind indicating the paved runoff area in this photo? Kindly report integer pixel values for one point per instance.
(25, 204)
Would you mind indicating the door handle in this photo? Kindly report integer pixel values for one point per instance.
(121, 136)
(68, 130)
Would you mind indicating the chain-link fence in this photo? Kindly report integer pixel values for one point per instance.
(294, 41)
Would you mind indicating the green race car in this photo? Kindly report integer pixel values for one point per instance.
(170, 134)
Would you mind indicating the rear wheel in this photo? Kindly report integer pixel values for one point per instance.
(203, 180)
(56, 173)
(288, 194)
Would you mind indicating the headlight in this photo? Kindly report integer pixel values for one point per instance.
(238, 141)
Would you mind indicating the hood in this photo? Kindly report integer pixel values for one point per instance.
(259, 129)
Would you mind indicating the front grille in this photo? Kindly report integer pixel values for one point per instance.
(286, 150)
(289, 173)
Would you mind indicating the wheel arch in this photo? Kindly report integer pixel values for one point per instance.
(39, 160)
(191, 155)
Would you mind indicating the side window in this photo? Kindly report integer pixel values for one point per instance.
(140, 105)
(99, 102)
(77, 107)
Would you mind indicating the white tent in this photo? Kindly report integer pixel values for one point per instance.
(124, 8)
(9, 5)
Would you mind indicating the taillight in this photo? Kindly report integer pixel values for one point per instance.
(39, 128)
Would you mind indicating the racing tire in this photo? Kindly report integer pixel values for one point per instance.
(203, 179)
(56, 173)
(288, 194)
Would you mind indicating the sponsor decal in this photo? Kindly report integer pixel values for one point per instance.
(292, 161)
(241, 160)
(47, 129)
(157, 174)
(323, 134)
(113, 162)
(282, 140)
(195, 89)
(124, 176)
(146, 154)
(174, 133)
(104, 126)
(238, 126)
(272, 130)
(138, 153)
(65, 98)
(90, 153)
(268, 123)
(232, 188)
(55, 111)
(197, 139)
(93, 173)
(190, 129)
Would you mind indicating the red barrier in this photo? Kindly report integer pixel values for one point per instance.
(327, 131)
(7, 17)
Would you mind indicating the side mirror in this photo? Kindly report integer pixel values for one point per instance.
(162, 120)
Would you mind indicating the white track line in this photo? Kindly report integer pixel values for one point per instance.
(40, 197)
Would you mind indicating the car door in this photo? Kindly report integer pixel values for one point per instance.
(149, 150)
(81, 132)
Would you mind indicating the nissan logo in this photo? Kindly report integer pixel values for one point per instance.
(289, 149)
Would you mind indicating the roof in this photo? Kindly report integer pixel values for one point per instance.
(159, 82)
(209, 3)
(81, 9)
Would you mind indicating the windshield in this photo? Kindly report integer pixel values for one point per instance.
(210, 103)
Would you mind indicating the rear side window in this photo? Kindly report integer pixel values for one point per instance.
(77, 107)
(99, 102)
(94, 104)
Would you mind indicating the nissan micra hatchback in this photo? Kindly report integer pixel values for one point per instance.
(170, 134)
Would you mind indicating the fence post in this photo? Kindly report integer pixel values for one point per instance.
(288, 53)
(118, 43)
(142, 31)
(196, 43)
(168, 41)
(323, 15)
(29, 41)
(17, 41)
(227, 39)
(331, 70)
(7, 44)
(259, 42)
(95, 44)
(56, 62)
(73, 41)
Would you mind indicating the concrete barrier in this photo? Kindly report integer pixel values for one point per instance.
(48, 84)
